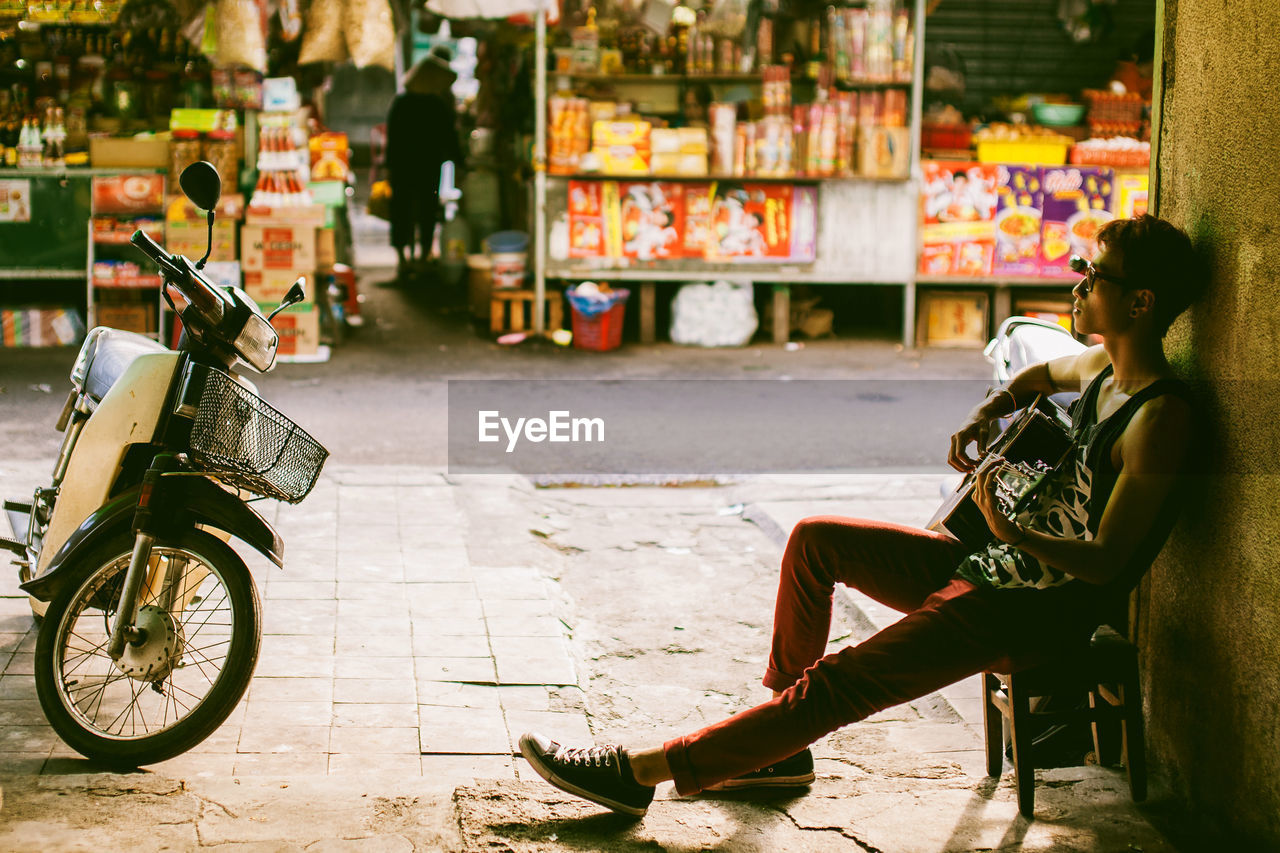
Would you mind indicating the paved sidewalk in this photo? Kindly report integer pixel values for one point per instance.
(390, 644)
(423, 622)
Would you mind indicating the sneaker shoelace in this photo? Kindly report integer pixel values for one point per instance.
(590, 756)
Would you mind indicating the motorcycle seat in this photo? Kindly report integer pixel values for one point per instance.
(111, 352)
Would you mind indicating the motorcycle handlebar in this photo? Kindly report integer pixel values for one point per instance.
(194, 289)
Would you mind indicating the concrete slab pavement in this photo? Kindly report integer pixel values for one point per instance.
(423, 622)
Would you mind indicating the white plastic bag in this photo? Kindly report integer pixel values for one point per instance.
(727, 19)
(371, 33)
(714, 315)
(242, 38)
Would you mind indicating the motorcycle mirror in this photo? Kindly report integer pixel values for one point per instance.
(201, 184)
(296, 294)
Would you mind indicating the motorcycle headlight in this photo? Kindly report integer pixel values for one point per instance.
(80, 369)
(257, 343)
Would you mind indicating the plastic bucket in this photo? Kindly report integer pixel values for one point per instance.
(507, 242)
(508, 268)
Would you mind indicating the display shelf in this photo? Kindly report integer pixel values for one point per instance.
(142, 313)
(994, 281)
(75, 172)
(738, 273)
(750, 77)
(740, 179)
(21, 274)
(137, 282)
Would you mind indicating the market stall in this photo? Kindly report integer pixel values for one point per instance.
(689, 147)
(1023, 165)
(101, 109)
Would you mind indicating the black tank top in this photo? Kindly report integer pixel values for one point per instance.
(1098, 438)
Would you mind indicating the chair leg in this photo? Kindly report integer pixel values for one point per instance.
(993, 723)
(1135, 750)
(1024, 771)
(1105, 747)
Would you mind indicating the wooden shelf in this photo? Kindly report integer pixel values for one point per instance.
(141, 282)
(676, 79)
(995, 281)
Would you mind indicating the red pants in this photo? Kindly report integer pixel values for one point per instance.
(952, 630)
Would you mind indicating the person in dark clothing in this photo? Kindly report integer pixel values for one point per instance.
(1039, 588)
(421, 136)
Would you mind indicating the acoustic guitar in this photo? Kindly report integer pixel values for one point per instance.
(1039, 435)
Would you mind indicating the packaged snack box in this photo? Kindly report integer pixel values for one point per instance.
(1018, 214)
(1077, 202)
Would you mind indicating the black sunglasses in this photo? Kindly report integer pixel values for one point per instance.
(1091, 273)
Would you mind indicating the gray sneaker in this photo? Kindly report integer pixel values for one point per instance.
(600, 774)
(796, 770)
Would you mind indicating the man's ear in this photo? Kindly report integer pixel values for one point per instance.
(1144, 302)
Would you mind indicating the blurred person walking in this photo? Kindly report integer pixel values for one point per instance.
(421, 136)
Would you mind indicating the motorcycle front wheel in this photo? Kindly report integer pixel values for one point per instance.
(201, 621)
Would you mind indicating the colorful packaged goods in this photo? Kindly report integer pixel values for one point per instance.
(568, 134)
(586, 219)
(1077, 202)
(958, 207)
(650, 220)
(1018, 221)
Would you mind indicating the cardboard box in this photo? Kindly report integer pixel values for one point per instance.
(623, 159)
(951, 318)
(1051, 309)
(268, 287)
(223, 273)
(326, 248)
(298, 328)
(622, 132)
(693, 140)
(278, 247)
(884, 152)
(1077, 203)
(179, 208)
(314, 215)
(1017, 232)
(107, 152)
(127, 316)
(192, 238)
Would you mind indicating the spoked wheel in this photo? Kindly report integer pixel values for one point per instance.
(199, 614)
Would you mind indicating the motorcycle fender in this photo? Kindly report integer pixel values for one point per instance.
(198, 501)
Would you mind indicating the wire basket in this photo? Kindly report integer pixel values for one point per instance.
(250, 445)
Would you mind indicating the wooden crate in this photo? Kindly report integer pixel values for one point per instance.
(512, 310)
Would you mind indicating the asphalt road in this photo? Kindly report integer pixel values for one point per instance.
(838, 404)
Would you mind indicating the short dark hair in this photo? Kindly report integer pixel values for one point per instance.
(1157, 256)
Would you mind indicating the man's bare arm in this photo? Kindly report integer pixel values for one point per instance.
(1068, 373)
(1152, 449)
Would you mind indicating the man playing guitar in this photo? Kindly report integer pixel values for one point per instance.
(1045, 583)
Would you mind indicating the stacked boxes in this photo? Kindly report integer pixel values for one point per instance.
(275, 250)
(681, 152)
(622, 146)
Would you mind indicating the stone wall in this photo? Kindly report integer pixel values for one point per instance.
(1210, 623)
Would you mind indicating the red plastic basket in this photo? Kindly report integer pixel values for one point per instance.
(600, 333)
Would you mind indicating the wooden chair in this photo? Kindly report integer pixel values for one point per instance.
(1108, 669)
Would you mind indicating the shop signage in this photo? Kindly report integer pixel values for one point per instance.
(722, 222)
(15, 201)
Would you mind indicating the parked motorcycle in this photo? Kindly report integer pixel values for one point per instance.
(1022, 341)
(151, 622)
